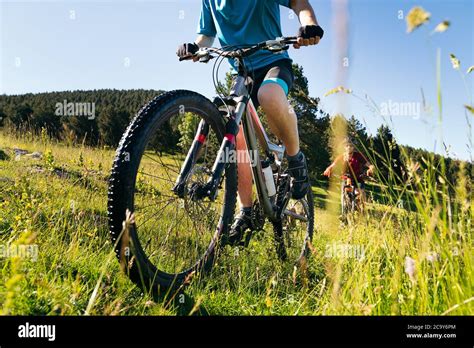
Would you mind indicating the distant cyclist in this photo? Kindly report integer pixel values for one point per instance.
(355, 164)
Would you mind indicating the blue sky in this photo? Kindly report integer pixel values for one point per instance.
(68, 45)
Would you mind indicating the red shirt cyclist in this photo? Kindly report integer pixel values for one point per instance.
(355, 163)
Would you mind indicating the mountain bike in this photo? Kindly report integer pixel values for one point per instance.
(174, 172)
(350, 196)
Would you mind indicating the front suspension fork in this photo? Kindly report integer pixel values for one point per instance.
(191, 158)
(210, 189)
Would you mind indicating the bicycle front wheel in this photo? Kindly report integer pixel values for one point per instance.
(170, 237)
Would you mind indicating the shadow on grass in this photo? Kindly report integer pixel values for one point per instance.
(320, 193)
(392, 197)
(380, 194)
(181, 303)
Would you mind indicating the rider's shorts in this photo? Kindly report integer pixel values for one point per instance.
(279, 72)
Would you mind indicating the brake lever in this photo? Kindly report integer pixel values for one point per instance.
(278, 48)
(181, 59)
(202, 59)
(206, 59)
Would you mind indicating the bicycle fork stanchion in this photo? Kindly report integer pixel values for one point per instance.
(210, 189)
(191, 158)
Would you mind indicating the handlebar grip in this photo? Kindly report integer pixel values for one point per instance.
(186, 58)
(291, 39)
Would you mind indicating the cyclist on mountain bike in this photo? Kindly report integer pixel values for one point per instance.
(356, 164)
(237, 22)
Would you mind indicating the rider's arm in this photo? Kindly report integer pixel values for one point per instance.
(310, 32)
(204, 41)
(329, 169)
(206, 33)
(337, 160)
(206, 26)
(304, 11)
(370, 167)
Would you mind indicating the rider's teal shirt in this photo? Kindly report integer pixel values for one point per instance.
(242, 22)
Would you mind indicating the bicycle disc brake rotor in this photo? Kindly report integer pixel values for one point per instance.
(198, 175)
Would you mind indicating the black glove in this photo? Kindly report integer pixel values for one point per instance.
(186, 50)
(311, 31)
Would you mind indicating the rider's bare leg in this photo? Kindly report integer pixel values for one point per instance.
(242, 220)
(283, 124)
(281, 117)
(244, 172)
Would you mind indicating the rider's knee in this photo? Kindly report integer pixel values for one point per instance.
(270, 94)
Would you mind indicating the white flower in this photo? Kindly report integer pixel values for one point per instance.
(410, 267)
(432, 256)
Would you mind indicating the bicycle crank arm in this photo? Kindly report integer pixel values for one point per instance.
(285, 202)
(295, 215)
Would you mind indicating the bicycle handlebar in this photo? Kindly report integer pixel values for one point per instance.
(279, 44)
(363, 176)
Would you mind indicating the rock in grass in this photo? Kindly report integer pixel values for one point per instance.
(35, 155)
(19, 152)
(3, 156)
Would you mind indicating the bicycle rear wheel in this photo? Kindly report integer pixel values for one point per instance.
(171, 236)
(294, 231)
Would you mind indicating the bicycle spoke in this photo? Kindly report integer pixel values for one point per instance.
(158, 177)
(166, 166)
(155, 216)
(146, 208)
(161, 163)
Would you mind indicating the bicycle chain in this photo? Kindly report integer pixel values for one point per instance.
(257, 217)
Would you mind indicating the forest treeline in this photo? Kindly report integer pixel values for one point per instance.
(105, 114)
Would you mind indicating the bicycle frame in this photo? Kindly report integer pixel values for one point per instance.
(351, 188)
(253, 131)
(245, 114)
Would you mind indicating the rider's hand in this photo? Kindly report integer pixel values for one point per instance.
(327, 172)
(187, 50)
(370, 171)
(309, 35)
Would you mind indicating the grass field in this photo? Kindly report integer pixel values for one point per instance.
(394, 262)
